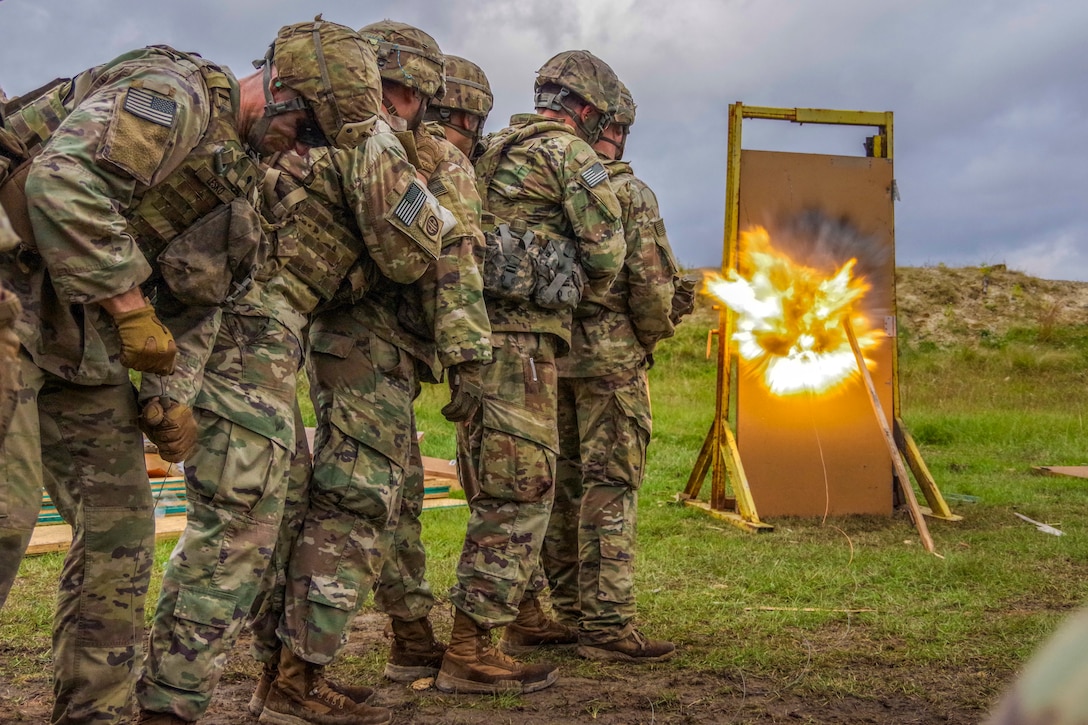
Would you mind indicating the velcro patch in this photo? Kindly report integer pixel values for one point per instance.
(408, 208)
(150, 107)
(594, 175)
(659, 226)
(437, 187)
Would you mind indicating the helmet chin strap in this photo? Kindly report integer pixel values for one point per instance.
(444, 116)
(620, 145)
(416, 119)
(554, 102)
(257, 131)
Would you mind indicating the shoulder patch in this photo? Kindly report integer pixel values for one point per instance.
(659, 226)
(437, 187)
(408, 207)
(594, 174)
(150, 106)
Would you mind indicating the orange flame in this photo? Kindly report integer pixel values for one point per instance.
(790, 317)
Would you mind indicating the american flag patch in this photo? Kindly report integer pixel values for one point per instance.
(437, 187)
(410, 204)
(150, 107)
(659, 226)
(594, 175)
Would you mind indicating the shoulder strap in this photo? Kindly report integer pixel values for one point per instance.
(488, 162)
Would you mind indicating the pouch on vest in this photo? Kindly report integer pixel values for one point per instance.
(509, 271)
(215, 260)
(560, 279)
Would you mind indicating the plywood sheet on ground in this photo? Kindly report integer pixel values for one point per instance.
(1074, 471)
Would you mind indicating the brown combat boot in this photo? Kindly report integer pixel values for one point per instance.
(534, 629)
(634, 648)
(414, 652)
(473, 665)
(356, 693)
(301, 695)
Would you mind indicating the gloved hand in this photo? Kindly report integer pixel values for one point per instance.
(466, 392)
(683, 298)
(170, 426)
(146, 344)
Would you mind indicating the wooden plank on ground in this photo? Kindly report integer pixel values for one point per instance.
(1074, 471)
(58, 537)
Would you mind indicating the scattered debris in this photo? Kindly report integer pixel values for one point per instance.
(1045, 528)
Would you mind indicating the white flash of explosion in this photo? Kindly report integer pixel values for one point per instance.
(789, 318)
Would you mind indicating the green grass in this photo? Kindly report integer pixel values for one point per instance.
(953, 629)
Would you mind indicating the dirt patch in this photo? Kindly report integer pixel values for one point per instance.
(611, 694)
(946, 305)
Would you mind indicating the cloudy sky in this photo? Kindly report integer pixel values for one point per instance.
(990, 96)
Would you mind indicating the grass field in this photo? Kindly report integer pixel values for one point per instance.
(889, 624)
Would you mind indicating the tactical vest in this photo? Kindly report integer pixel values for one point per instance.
(216, 173)
(317, 239)
(520, 264)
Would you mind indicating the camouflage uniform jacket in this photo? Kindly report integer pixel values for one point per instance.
(97, 165)
(617, 330)
(440, 319)
(553, 181)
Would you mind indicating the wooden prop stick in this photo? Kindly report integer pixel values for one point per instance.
(889, 438)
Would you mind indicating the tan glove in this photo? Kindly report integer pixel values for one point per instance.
(466, 392)
(146, 344)
(170, 426)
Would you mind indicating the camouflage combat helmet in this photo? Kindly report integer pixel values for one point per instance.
(408, 56)
(335, 72)
(467, 88)
(622, 119)
(625, 109)
(582, 74)
(468, 91)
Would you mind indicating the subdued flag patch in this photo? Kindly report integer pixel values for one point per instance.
(150, 107)
(437, 187)
(594, 175)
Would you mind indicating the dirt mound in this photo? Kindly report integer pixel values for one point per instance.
(965, 305)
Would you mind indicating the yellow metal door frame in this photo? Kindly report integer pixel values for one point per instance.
(719, 454)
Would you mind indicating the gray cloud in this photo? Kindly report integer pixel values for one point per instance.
(989, 98)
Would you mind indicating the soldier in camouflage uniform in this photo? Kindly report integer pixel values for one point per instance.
(135, 159)
(9, 354)
(543, 185)
(10, 310)
(1051, 689)
(463, 110)
(366, 491)
(604, 429)
(239, 375)
(402, 591)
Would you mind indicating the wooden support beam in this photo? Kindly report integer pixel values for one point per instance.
(889, 438)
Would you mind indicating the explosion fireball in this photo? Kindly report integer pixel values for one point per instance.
(790, 317)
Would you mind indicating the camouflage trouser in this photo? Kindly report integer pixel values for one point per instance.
(82, 441)
(235, 481)
(363, 388)
(403, 591)
(506, 460)
(267, 607)
(588, 556)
